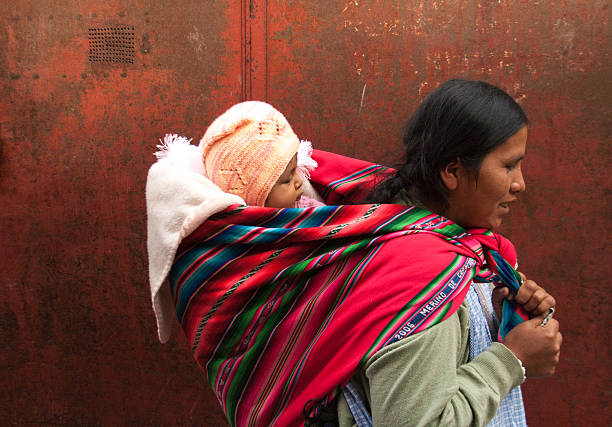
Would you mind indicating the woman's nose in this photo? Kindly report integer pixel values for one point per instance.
(298, 181)
(518, 183)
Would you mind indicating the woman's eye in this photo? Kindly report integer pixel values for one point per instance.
(513, 164)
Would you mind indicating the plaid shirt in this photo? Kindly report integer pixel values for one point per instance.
(483, 326)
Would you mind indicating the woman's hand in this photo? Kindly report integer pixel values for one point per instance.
(534, 299)
(537, 347)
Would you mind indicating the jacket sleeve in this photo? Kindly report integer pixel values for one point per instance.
(425, 379)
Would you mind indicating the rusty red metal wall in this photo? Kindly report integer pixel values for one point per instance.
(77, 137)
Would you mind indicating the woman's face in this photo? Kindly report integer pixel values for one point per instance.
(481, 199)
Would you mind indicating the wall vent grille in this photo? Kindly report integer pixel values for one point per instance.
(111, 44)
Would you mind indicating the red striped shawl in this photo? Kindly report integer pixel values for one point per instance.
(281, 306)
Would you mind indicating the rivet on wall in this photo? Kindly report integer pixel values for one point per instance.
(111, 44)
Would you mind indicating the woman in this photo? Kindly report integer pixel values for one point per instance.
(464, 147)
(282, 307)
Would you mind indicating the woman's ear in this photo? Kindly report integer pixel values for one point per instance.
(450, 174)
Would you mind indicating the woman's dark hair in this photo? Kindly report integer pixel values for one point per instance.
(461, 119)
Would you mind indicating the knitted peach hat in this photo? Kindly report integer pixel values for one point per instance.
(247, 148)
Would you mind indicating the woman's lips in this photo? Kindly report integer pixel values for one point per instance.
(505, 208)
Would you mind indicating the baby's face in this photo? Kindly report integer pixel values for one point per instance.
(288, 188)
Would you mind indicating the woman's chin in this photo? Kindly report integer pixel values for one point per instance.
(494, 224)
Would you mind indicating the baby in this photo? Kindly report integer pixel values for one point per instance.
(252, 152)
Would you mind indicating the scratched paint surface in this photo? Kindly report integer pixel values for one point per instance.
(349, 73)
(77, 328)
(76, 140)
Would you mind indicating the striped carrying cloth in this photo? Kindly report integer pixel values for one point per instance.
(279, 305)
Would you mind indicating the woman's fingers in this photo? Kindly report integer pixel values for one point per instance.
(537, 347)
(534, 298)
(499, 294)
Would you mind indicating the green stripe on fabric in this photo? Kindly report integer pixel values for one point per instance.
(442, 313)
(249, 359)
(299, 325)
(237, 331)
(287, 350)
(346, 251)
(295, 372)
(406, 219)
(400, 317)
(228, 294)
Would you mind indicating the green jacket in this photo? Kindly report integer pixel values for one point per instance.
(426, 379)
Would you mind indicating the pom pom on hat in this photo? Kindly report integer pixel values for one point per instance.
(180, 153)
(305, 162)
(247, 148)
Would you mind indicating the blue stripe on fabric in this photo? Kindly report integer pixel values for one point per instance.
(353, 175)
(237, 233)
(202, 274)
(183, 263)
(316, 217)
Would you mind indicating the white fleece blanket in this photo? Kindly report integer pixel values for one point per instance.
(178, 201)
(179, 198)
